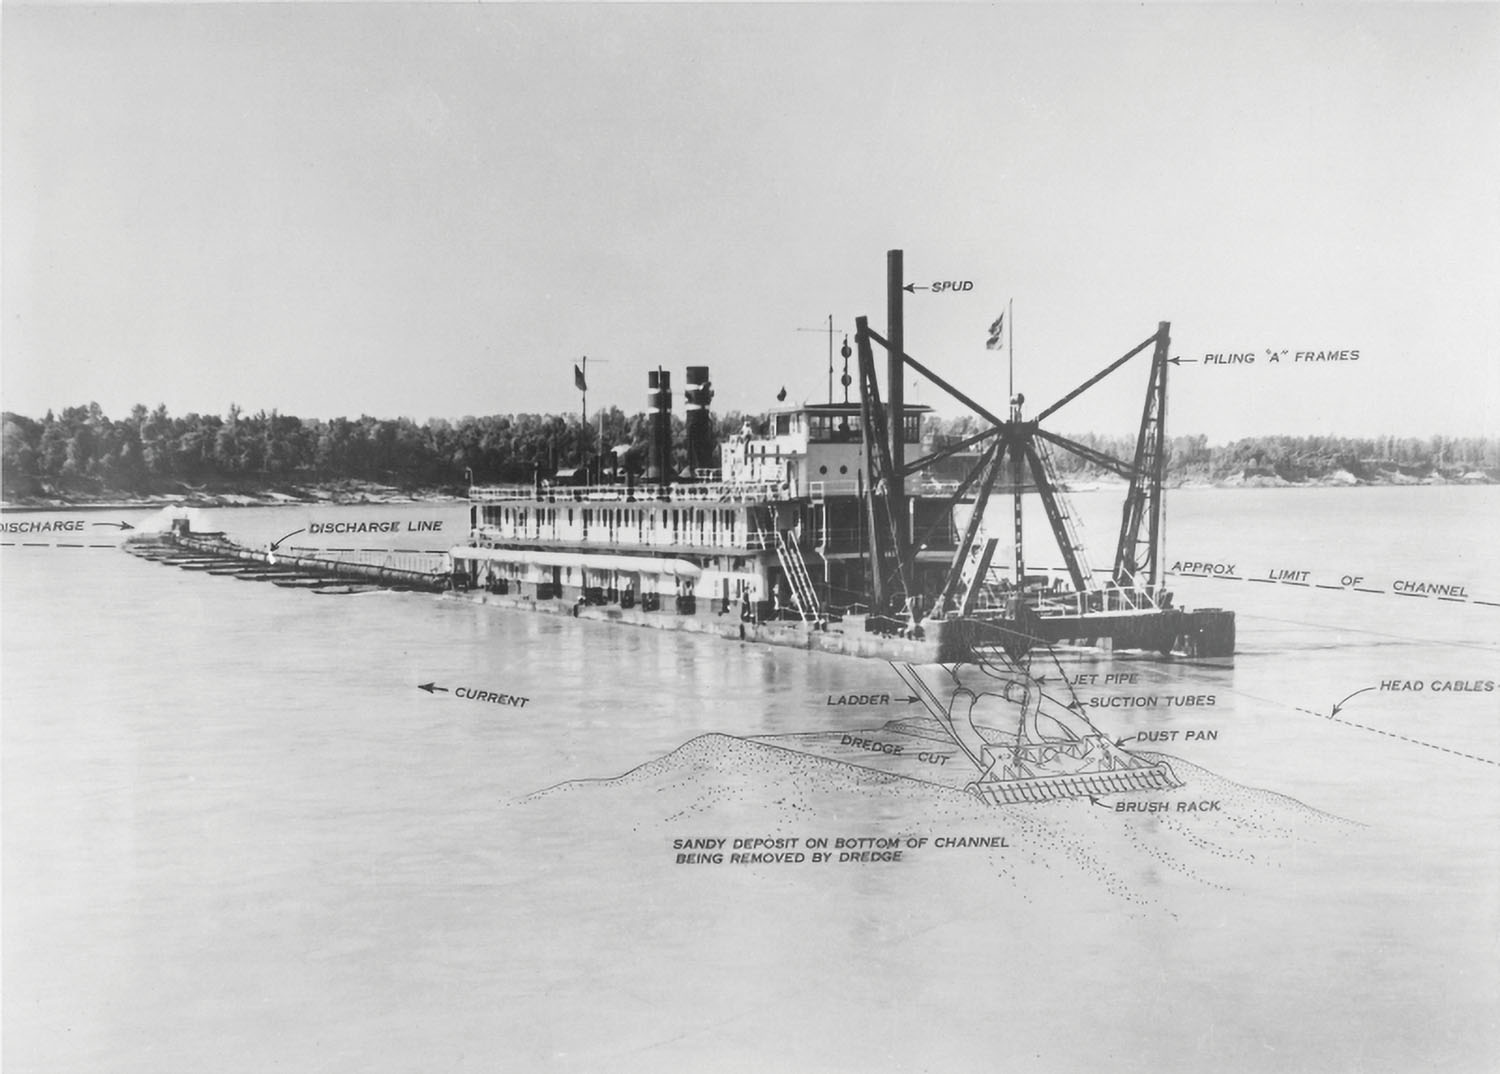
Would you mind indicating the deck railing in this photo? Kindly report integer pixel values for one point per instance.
(622, 537)
(703, 492)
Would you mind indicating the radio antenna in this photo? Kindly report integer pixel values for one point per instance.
(828, 329)
(1010, 315)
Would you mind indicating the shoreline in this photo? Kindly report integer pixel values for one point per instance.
(372, 494)
(288, 496)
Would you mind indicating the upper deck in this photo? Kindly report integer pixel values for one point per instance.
(702, 492)
(810, 452)
(801, 469)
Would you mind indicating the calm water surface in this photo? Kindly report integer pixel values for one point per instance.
(237, 837)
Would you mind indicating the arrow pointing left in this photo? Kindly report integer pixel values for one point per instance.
(432, 687)
(116, 525)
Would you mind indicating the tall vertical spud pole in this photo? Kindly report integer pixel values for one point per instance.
(895, 375)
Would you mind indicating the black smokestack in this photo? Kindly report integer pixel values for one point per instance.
(659, 405)
(700, 428)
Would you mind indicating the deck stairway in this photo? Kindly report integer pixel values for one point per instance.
(804, 595)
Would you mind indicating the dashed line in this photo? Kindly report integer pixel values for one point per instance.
(1376, 730)
(1413, 741)
(36, 544)
(1324, 585)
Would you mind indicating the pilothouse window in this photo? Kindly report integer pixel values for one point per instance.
(834, 428)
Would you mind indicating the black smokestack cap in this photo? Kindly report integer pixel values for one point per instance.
(659, 402)
(699, 424)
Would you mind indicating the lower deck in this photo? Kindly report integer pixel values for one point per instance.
(852, 636)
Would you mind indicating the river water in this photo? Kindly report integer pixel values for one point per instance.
(239, 837)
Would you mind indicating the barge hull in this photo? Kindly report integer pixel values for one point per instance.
(940, 643)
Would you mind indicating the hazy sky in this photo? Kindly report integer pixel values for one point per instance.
(434, 211)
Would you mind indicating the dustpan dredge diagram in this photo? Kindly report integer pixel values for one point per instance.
(993, 728)
(1024, 744)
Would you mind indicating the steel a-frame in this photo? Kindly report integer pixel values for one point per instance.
(1130, 606)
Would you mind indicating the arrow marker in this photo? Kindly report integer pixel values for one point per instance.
(1096, 802)
(117, 525)
(1179, 361)
(428, 686)
(277, 543)
(912, 288)
(1340, 704)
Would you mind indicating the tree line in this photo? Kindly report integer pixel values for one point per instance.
(81, 450)
(1302, 458)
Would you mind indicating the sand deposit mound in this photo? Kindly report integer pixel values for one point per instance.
(1210, 832)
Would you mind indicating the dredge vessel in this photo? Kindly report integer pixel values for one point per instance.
(831, 526)
(815, 530)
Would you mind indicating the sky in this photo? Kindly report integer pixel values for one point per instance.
(436, 210)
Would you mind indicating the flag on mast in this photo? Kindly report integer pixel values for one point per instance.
(578, 381)
(993, 344)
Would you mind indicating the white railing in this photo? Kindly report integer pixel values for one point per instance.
(705, 492)
(497, 493)
(819, 490)
(1049, 602)
(622, 537)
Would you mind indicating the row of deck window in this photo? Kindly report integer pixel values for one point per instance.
(620, 525)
